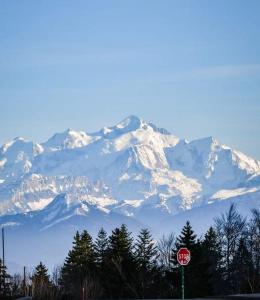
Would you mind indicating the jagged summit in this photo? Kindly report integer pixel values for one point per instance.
(133, 160)
(19, 143)
(18, 149)
(67, 140)
(70, 138)
(130, 124)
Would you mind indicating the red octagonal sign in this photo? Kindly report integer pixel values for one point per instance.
(183, 256)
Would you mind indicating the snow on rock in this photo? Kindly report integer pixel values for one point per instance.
(135, 131)
(131, 168)
(39, 204)
(133, 173)
(225, 194)
(16, 158)
(215, 165)
(68, 139)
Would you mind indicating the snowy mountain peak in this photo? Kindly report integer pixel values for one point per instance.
(20, 138)
(62, 208)
(68, 139)
(61, 202)
(132, 173)
(20, 146)
(127, 125)
(130, 123)
(132, 160)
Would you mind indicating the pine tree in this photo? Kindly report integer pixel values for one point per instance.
(121, 267)
(70, 279)
(187, 238)
(121, 243)
(101, 246)
(41, 283)
(196, 270)
(146, 255)
(87, 254)
(212, 254)
(79, 266)
(241, 269)
(4, 280)
(145, 251)
(101, 251)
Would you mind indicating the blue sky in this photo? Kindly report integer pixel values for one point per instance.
(192, 67)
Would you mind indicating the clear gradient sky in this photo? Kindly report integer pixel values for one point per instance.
(192, 67)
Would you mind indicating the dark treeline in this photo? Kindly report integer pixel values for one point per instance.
(226, 260)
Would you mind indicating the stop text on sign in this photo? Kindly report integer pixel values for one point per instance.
(183, 256)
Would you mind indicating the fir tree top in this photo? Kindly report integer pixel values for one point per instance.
(187, 238)
(145, 250)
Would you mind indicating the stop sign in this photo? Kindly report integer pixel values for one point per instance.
(183, 256)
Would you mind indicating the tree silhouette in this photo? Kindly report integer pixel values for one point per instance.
(41, 284)
(146, 255)
(79, 265)
(230, 227)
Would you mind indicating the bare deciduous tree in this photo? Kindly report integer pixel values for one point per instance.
(230, 228)
(164, 247)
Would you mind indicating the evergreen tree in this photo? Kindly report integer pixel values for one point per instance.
(87, 254)
(241, 268)
(145, 251)
(41, 283)
(5, 288)
(70, 277)
(116, 268)
(212, 253)
(121, 265)
(101, 249)
(79, 266)
(187, 237)
(101, 246)
(146, 255)
(196, 270)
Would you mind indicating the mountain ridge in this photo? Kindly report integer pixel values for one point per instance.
(133, 159)
(133, 173)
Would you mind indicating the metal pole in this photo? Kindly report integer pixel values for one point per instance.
(3, 248)
(3, 245)
(24, 281)
(182, 282)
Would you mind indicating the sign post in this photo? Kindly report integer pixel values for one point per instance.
(182, 282)
(183, 258)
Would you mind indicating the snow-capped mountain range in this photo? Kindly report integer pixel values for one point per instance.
(133, 172)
